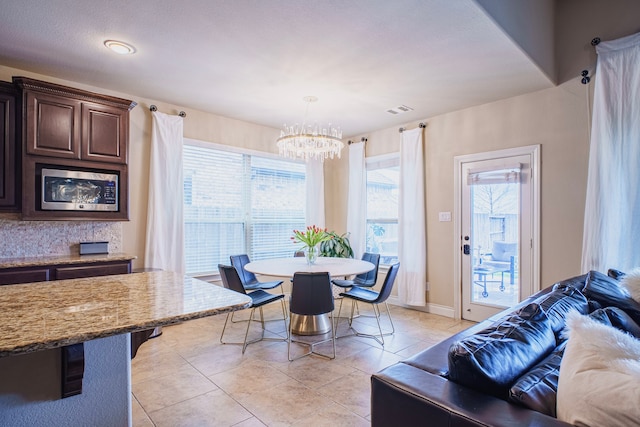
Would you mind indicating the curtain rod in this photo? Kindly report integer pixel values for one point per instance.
(363, 139)
(154, 108)
(422, 125)
(585, 73)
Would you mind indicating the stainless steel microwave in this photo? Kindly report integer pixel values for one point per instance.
(71, 190)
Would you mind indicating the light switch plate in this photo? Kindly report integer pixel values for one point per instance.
(444, 216)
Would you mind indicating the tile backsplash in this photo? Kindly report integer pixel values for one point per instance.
(52, 238)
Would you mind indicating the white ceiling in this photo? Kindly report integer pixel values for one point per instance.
(255, 60)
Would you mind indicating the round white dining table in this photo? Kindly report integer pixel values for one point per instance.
(287, 267)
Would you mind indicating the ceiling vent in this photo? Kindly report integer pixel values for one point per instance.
(399, 109)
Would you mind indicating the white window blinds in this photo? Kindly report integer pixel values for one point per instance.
(383, 179)
(277, 206)
(239, 203)
(507, 175)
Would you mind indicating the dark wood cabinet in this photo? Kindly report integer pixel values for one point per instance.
(12, 276)
(68, 128)
(52, 125)
(9, 171)
(24, 275)
(70, 123)
(105, 132)
(77, 272)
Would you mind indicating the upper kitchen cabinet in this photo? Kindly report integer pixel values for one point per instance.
(8, 147)
(64, 130)
(105, 133)
(69, 123)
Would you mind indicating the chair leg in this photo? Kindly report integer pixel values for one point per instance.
(263, 329)
(349, 320)
(237, 321)
(335, 320)
(382, 335)
(246, 334)
(376, 311)
(289, 341)
(393, 328)
(377, 315)
(333, 336)
(245, 343)
(262, 320)
(286, 329)
(353, 305)
(312, 345)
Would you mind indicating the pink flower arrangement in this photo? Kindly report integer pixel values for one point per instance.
(311, 236)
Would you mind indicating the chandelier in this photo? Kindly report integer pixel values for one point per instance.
(310, 142)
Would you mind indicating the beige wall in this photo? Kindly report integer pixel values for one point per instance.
(579, 21)
(554, 118)
(197, 125)
(557, 119)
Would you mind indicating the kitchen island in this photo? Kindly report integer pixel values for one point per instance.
(97, 313)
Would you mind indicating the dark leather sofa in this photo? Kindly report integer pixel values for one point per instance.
(503, 371)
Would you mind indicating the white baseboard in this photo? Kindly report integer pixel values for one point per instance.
(441, 310)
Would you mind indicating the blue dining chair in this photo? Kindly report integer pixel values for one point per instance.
(358, 294)
(368, 279)
(311, 295)
(249, 280)
(259, 298)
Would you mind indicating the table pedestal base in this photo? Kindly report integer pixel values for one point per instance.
(310, 325)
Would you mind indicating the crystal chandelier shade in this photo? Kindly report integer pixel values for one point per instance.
(310, 142)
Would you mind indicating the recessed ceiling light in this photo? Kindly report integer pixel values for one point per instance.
(120, 47)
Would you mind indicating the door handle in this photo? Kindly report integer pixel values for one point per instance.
(466, 249)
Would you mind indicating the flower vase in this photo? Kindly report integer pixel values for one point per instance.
(311, 254)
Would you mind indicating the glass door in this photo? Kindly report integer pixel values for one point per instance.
(496, 234)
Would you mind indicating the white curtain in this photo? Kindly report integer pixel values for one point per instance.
(314, 213)
(357, 200)
(412, 235)
(612, 208)
(165, 224)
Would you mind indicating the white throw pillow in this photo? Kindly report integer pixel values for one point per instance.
(599, 380)
(631, 281)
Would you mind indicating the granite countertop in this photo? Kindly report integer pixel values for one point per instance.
(44, 315)
(63, 259)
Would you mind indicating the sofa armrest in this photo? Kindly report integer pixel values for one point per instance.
(405, 395)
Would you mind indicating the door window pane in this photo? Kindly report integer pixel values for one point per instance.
(494, 234)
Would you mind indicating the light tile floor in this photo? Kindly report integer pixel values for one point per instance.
(186, 377)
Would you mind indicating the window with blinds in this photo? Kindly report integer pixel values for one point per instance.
(238, 203)
(383, 183)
